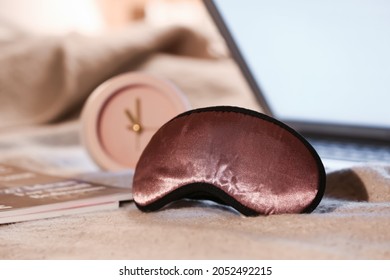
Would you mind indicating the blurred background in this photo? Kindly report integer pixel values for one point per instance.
(55, 53)
(94, 17)
(97, 17)
(42, 41)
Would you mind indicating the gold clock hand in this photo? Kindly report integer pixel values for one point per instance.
(137, 127)
(135, 122)
(130, 116)
(138, 110)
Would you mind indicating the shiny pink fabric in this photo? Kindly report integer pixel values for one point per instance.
(259, 163)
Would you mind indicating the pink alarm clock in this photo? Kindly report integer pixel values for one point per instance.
(122, 114)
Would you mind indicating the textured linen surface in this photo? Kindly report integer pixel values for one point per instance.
(45, 79)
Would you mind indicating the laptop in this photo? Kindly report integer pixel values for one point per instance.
(322, 67)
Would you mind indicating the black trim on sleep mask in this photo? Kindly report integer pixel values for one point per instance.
(198, 191)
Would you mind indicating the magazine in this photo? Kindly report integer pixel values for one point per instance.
(27, 195)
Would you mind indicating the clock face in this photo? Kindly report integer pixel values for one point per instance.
(121, 116)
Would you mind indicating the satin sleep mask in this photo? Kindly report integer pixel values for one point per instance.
(238, 157)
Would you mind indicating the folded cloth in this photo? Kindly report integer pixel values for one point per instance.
(45, 79)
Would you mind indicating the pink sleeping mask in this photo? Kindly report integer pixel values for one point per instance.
(230, 155)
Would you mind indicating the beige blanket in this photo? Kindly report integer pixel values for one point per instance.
(46, 80)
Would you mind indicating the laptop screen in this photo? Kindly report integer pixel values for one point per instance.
(316, 61)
